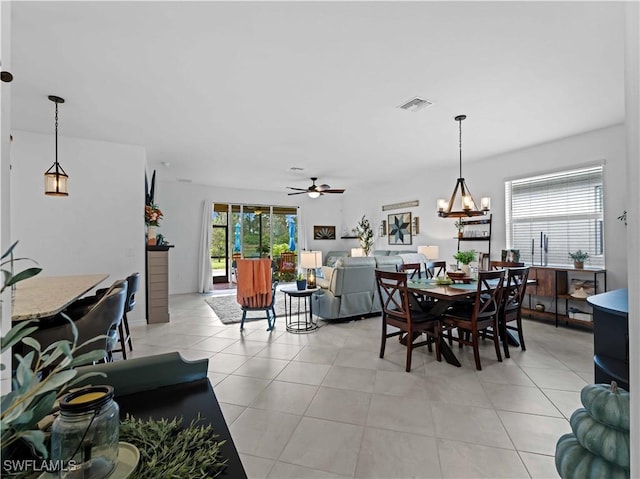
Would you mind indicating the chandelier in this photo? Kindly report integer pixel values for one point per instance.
(466, 206)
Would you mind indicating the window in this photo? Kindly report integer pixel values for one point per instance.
(566, 207)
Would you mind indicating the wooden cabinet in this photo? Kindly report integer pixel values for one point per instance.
(158, 284)
(477, 231)
(556, 283)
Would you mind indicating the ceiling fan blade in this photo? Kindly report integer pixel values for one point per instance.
(335, 190)
(323, 187)
(298, 193)
(297, 189)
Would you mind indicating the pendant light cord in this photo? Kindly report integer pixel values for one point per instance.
(57, 167)
(459, 144)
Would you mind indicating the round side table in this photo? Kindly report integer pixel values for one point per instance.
(303, 322)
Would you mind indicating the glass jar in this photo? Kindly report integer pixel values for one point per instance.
(84, 437)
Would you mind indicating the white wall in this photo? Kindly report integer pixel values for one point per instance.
(486, 178)
(99, 227)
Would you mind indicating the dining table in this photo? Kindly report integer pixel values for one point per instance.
(44, 296)
(446, 295)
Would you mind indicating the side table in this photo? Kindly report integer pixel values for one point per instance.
(304, 323)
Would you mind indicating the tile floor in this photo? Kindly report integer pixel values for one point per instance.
(324, 405)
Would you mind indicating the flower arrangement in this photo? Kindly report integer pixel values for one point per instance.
(152, 215)
(365, 235)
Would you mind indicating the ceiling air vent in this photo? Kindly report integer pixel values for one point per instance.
(416, 104)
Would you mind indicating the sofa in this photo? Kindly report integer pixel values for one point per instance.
(349, 289)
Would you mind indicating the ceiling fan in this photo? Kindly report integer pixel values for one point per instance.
(315, 190)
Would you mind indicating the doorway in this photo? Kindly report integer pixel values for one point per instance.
(219, 247)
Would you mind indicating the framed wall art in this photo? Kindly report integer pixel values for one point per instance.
(399, 228)
(324, 232)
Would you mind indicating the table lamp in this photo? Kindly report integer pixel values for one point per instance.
(311, 260)
(431, 252)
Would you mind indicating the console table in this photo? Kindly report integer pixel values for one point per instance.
(554, 282)
(611, 337)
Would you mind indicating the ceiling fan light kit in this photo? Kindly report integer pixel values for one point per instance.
(467, 204)
(314, 191)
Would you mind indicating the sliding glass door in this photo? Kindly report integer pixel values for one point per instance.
(251, 231)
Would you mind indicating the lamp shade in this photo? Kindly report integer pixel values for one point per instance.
(310, 259)
(357, 252)
(431, 252)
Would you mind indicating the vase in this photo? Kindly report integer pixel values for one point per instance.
(151, 235)
(578, 264)
(466, 269)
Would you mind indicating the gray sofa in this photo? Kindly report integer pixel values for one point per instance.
(349, 289)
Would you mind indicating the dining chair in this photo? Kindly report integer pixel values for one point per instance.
(473, 317)
(511, 310)
(398, 312)
(505, 264)
(256, 289)
(435, 269)
(413, 270)
(101, 320)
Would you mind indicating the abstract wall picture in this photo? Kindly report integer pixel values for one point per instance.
(324, 232)
(400, 228)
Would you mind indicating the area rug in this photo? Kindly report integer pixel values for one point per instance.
(229, 311)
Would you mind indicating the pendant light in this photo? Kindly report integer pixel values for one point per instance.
(467, 206)
(55, 178)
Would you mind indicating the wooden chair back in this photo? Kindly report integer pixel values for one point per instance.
(436, 269)
(413, 270)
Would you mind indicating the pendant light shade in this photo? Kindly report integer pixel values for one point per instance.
(55, 178)
(461, 204)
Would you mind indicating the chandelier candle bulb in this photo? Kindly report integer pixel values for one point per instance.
(485, 203)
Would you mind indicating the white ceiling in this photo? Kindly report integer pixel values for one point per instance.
(237, 93)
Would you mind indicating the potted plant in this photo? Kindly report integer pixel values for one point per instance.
(365, 235)
(465, 257)
(301, 282)
(41, 378)
(578, 258)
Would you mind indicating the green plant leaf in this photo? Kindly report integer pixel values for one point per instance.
(88, 358)
(36, 441)
(8, 252)
(33, 343)
(82, 378)
(57, 380)
(22, 275)
(7, 400)
(41, 408)
(16, 333)
(22, 419)
(24, 374)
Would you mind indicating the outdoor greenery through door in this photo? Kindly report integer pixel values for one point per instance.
(251, 231)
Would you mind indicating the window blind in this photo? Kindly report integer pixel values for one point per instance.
(566, 207)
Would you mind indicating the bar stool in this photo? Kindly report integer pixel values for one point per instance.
(124, 333)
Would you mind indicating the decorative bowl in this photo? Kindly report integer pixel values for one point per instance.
(456, 274)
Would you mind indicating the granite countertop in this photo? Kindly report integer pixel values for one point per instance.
(43, 296)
